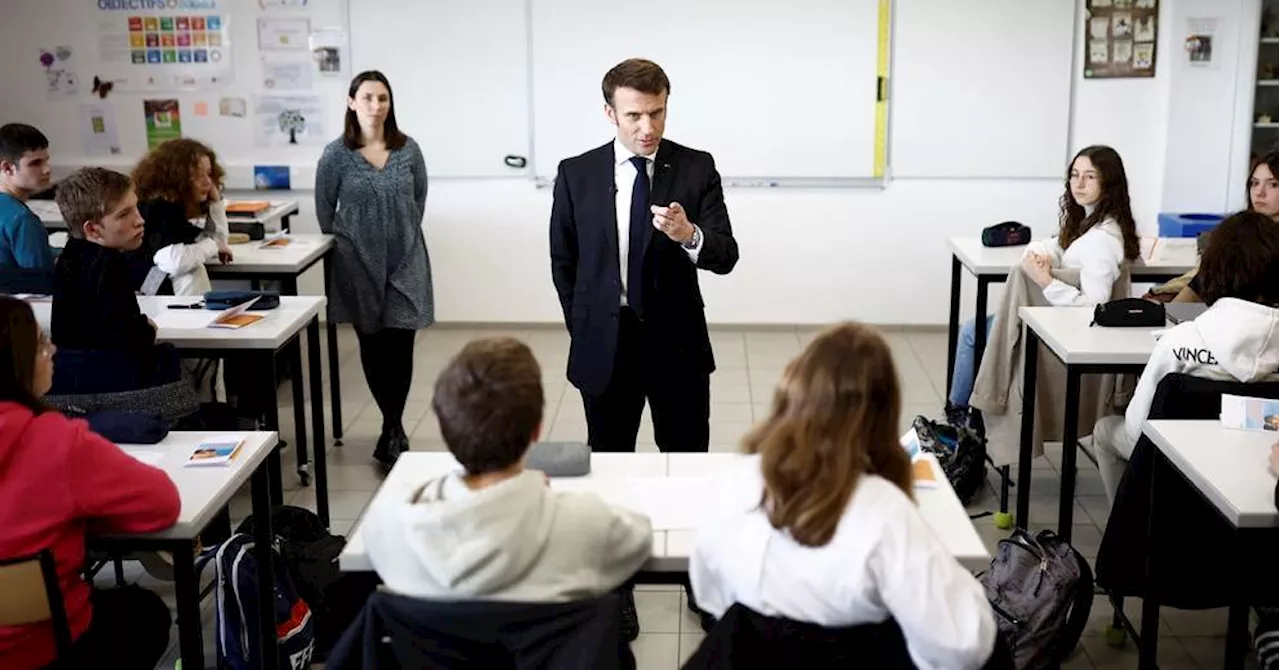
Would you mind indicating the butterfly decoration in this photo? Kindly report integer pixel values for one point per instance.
(101, 87)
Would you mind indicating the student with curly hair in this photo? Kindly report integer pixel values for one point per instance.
(179, 186)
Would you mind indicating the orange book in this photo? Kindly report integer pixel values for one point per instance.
(248, 207)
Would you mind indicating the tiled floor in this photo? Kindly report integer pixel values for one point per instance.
(750, 362)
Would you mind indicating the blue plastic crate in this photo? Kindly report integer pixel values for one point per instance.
(1187, 225)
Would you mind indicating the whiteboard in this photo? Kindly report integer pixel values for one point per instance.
(771, 89)
(459, 72)
(981, 88)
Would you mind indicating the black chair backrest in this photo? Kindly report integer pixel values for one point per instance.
(395, 631)
(1184, 397)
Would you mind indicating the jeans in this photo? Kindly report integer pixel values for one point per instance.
(965, 370)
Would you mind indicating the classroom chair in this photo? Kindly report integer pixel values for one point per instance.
(395, 631)
(1193, 570)
(744, 638)
(32, 595)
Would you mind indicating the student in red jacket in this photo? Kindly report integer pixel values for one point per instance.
(57, 481)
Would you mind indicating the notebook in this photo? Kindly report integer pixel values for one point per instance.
(1178, 312)
(208, 454)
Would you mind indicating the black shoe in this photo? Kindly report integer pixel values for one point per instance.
(399, 440)
(386, 452)
(630, 620)
(705, 621)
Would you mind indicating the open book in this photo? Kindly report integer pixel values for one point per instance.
(237, 317)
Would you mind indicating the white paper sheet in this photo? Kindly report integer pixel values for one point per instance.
(98, 136)
(148, 456)
(671, 503)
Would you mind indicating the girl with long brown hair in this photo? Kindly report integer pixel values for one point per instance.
(818, 524)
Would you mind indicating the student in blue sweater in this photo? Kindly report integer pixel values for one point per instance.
(24, 171)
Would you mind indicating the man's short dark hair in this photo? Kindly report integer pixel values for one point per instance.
(635, 73)
(489, 403)
(17, 139)
(1240, 260)
(88, 195)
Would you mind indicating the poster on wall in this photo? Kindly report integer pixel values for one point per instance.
(61, 81)
(329, 52)
(164, 122)
(98, 135)
(289, 120)
(1200, 41)
(155, 46)
(1120, 36)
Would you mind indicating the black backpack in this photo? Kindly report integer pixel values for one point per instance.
(961, 453)
(1041, 590)
(310, 553)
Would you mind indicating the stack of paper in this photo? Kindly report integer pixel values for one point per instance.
(1250, 413)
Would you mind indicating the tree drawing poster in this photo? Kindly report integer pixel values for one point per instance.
(289, 120)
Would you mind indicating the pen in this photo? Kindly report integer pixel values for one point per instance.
(194, 305)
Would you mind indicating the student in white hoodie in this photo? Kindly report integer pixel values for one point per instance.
(1096, 235)
(818, 525)
(493, 530)
(1234, 340)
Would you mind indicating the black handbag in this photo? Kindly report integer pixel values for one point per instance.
(1129, 313)
(1007, 234)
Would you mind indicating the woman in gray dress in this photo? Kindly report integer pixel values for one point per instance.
(371, 193)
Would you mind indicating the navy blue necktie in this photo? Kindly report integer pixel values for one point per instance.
(639, 221)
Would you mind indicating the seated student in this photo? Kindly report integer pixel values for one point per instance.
(1262, 195)
(494, 530)
(24, 171)
(1096, 236)
(1234, 340)
(818, 524)
(58, 480)
(176, 182)
(95, 307)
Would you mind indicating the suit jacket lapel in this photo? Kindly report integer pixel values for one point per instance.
(602, 165)
(664, 174)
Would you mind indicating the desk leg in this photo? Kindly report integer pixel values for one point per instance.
(1237, 636)
(1149, 638)
(262, 551)
(1067, 490)
(953, 323)
(271, 414)
(317, 420)
(980, 323)
(299, 410)
(186, 593)
(1031, 344)
(335, 384)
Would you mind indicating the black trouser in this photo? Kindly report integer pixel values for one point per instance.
(129, 630)
(387, 359)
(645, 367)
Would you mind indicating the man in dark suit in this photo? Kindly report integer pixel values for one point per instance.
(631, 224)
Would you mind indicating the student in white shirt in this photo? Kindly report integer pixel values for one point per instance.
(818, 524)
(1096, 235)
(1234, 340)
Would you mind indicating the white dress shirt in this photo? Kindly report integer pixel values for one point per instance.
(882, 562)
(624, 179)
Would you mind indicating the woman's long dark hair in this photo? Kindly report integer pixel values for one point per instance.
(1268, 160)
(1114, 203)
(391, 135)
(19, 346)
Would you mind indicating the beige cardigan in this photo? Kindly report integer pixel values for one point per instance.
(997, 389)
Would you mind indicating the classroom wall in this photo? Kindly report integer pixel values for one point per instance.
(813, 256)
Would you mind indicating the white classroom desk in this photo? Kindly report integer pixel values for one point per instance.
(610, 473)
(204, 491)
(1083, 349)
(259, 343)
(275, 217)
(1168, 258)
(1229, 469)
(255, 263)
